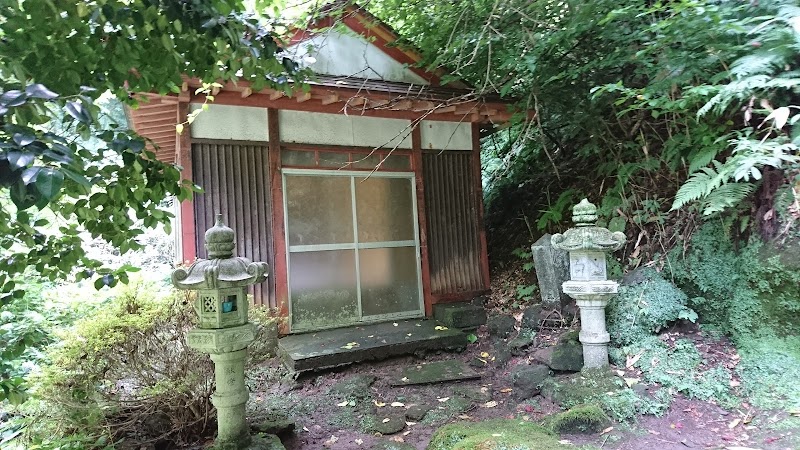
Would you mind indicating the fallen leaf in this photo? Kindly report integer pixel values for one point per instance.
(607, 430)
(344, 403)
(443, 399)
(379, 404)
(496, 434)
(305, 429)
(332, 440)
(565, 442)
(411, 424)
(397, 404)
(404, 379)
(409, 334)
(733, 423)
(484, 355)
(735, 383)
(631, 381)
(631, 360)
(358, 441)
(440, 328)
(418, 324)
(506, 390)
(490, 404)
(385, 420)
(394, 324)
(350, 345)
(621, 373)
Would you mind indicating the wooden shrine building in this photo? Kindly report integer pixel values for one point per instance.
(363, 194)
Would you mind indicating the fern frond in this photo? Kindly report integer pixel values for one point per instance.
(756, 64)
(726, 196)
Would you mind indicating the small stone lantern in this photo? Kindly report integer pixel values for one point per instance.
(221, 283)
(588, 245)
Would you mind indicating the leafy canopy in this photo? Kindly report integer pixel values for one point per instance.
(65, 168)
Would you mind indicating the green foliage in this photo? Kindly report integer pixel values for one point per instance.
(769, 370)
(645, 307)
(579, 419)
(679, 367)
(125, 372)
(745, 293)
(66, 167)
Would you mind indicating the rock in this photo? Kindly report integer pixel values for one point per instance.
(264, 442)
(354, 387)
(391, 445)
(501, 325)
(389, 424)
(417, 412)
(528, 380)
(475, 394)
(567, 354)
(273, 425)
(501, 354)
(580, 388)
(495, 434)
(463, 315)
(519, 344)
(580, 419)
(530, 317)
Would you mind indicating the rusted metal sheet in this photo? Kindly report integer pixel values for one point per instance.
(453, 228)
(235, 178)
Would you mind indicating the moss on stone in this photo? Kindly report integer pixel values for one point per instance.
(498, 434)
(580, 388)
(580, 419)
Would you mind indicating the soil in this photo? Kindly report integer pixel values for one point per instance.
(329, 419)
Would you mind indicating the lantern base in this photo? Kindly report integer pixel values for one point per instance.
(258, 442)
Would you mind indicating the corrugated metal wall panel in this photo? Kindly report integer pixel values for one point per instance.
(235, 177)
(451, 206)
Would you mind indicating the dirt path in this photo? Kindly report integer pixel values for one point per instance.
(333, 411)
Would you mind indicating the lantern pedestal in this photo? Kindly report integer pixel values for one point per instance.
(230, 398)
(592, 298)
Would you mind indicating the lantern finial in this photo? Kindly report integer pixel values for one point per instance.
(220, 240)
(584, 214)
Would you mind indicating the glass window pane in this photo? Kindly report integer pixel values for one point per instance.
(297, 158)
(397, 162)
(334, 160)
(323, 289)
(389, 282)
(319, 210)
(385, 209)
(366, 161)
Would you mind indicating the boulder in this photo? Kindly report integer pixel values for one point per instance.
(389, 424)
(497, 434)
(417, 412)
(528, 380)
(501, 326)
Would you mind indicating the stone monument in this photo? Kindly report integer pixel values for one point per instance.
(223, 331)
(552, 269)
(588, 245)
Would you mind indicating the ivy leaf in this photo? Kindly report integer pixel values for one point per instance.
(49, 182)
(78, 112)
(40, 91)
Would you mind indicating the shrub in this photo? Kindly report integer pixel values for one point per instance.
(746, 293)
(126, 372)
(769, 369)
(645, 307)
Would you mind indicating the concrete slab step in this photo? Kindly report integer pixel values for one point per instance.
(341, 346)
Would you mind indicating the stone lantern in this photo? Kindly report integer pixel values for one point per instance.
(588, 245)
(223, 331)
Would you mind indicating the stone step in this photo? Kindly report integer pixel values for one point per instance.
(342, 346)
(463, 315)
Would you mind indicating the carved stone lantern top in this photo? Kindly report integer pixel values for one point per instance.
(222, 269)
(586, 235)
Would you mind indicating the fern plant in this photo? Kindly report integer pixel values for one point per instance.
(763, 76)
